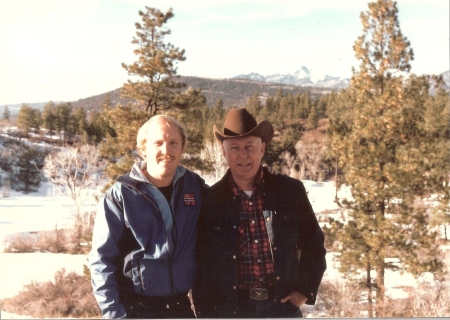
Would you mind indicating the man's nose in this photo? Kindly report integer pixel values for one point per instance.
(164, 148)
(243, 153)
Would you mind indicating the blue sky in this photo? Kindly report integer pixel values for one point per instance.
(65, 50)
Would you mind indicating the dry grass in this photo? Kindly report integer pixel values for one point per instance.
(337, 299)
(72, 240)
(69, 295)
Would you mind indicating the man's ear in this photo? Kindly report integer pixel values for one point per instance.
(223, 149)
(263, 147)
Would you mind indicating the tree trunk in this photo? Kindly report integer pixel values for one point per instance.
(369, 292)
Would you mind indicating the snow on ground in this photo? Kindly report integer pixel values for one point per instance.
(35, 211)
(43, 210)
(19, 269)
(22, 214)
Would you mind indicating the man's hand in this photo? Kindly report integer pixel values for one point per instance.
(296, 298)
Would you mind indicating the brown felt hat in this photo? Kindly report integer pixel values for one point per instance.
(239, 123)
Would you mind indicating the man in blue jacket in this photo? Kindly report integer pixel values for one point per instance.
(142, 258)
(260, 249)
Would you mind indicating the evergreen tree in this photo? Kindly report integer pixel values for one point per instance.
(63, 112)
(287, 106)
(26, 176)
(156, 65)
(305, 105)
(212, 115)
(340, 119)
(119, 146)
(25, 118)
(383, 161)
(312, 120)
(156, 90)
(437, 126)
(49, 117)
(36, 120)
(253, 104)
(78, 124)
(6, 113)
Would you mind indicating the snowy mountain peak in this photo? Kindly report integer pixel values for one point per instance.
(300, 77)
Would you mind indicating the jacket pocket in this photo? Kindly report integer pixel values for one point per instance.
(151, 277)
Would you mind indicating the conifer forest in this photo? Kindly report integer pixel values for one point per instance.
(385, 137)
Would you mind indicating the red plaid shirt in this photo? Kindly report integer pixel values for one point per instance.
(255, 258)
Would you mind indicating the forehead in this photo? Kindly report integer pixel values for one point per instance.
(245, 140)
(163, 128)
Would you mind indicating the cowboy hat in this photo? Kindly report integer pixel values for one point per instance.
(239, 123)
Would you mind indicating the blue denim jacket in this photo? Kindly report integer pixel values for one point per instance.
(141, 244)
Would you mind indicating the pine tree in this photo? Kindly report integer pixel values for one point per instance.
(340, 119)
(63, 112)
(78, 123)
(156, 64)
(253, 104)
(287, 106)
(156, 90)
(383, 161)
(25, 118)
(49, 117)
(313, 119)
(437, 126)
(26, 176)
(305, 105)
(6, 113)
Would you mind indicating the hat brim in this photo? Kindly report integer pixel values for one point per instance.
(264, 130)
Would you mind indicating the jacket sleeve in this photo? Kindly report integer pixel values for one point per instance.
(311, 250)
(204, 272)
(108, 228)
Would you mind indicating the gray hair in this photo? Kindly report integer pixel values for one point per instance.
(144, 132)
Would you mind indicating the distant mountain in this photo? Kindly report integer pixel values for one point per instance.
(233, 92)
(303, 77)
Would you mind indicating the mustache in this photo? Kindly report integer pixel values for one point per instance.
(166, 158)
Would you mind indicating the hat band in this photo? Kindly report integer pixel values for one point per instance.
(228, 132)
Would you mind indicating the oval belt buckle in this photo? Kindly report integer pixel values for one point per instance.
(258, 294)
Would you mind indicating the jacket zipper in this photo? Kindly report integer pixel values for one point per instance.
(170, 256)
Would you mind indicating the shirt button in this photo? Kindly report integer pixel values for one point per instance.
(234, 287)
(250, 203)
(278, 278)
(256, 241)
(234, 257)
(234, 227)
(275, 248)
(259, 260)
(268, 219)
(253, 221)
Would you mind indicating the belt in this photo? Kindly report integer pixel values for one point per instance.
(259, 294)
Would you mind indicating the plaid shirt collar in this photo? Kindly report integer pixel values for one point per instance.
(258, 185)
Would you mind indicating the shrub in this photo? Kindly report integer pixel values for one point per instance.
(69, 295)
(70, 240)
(339, 299)
(20, 243)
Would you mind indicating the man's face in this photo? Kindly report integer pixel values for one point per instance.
(163, 150)
(243, 156)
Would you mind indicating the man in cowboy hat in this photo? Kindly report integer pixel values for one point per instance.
(260, 249)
